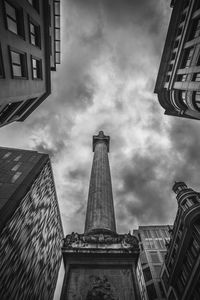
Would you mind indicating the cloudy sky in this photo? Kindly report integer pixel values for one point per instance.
(111, 50)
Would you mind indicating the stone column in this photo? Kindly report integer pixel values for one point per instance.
(100, 215)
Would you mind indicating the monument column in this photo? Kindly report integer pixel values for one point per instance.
(100, 263)
(100, 215)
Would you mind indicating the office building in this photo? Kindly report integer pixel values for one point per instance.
(178, 80)
(30, 226)
(100, 264)
(29, 50)
(152, 241)
(181, 272)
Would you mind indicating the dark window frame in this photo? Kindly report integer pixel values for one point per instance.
(19, 18)
(23, 63)
(37, 33)
(39, 68)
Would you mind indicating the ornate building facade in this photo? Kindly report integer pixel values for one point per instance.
(100, 264)
(30, 226)
(29, 50)
(181, 272)
(178, 81)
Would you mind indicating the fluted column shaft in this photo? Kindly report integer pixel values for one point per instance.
(100, 215)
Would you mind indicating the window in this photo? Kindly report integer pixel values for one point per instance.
(14, 18)
(161, 290)
(182, 77)
(7, 155)
(8, 110)
(187, 57)
(147, 274)
(17, 158)
(165, 280)
(16, 176)
(24, 106)
(196, 77)
(36, 68)
(34, 33)
(160, 244)
(149, 244)
(183, 96)
(151, 291)
(197, 29)
(172, 296)
(157, 270)
(16, 167)
(34, 3)
(163, 253)
(147, 233)
(154, 257)
(2, 74)
(18, 64)
(143, 258)
(196, 100)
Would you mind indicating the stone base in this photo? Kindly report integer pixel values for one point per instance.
(99, 268)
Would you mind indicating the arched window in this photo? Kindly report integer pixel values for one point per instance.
(196, 100)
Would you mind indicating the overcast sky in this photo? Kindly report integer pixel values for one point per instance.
(111, 50)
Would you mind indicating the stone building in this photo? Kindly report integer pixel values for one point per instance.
(178, 80)
(181, 272)
(99, 263)
(29, 50)
(30, 226)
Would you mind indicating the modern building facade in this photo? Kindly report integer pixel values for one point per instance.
(152, 240)
(100, 264)
(181, 272)
(178, 80)
(30, 226)
(29, 50)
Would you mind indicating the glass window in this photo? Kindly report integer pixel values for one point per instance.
(16, 167)
(34, 33)
(165, 280)
(161, 290)
(151, 291)
(6, 112)
(57, 7)
(18, 64)
(196, 100)
(197, 29)
(196, 77)
(36, 68)
(157, 270)
(6, 155)
(172, 296)
(14, 18)
(187, 58)
(154, 257)
(26, 105)
(17, 158)
(143, 258)
(147, 274)
(16, 176)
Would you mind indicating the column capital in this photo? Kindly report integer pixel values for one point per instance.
(101, 138)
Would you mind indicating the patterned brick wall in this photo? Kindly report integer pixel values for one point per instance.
(30, 244)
